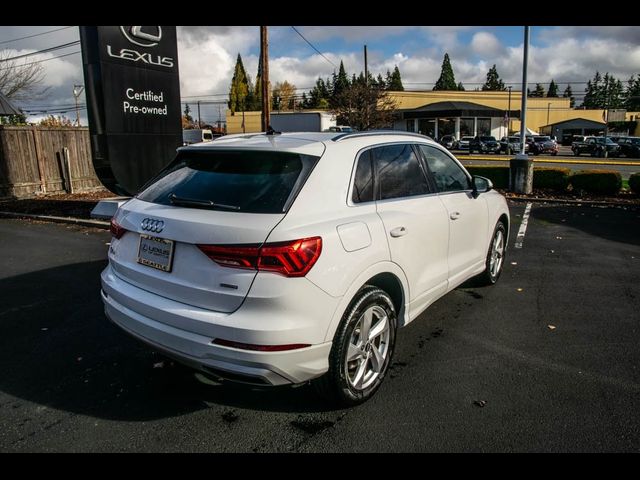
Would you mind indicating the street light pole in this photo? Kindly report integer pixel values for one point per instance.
(521, 167)
(77, 91)
(548, 107)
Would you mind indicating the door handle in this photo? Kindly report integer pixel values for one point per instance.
(454, 215)
(398, 232)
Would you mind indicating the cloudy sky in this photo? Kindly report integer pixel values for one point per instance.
(207, 56)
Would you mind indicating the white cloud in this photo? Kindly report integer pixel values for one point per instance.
(485, 43)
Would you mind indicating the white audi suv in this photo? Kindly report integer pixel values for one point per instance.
(278, 259)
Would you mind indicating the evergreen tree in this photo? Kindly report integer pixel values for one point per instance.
(395, 83)
(538, 92)
(257, 89)
(380, 81)
(387, 80)
(239, 87)
(340, 81)
(632, 94)
(493, 83)
(447, 80)
(553, 89)
(568, 93)
(604, 92)
(460, 87)
(187, 113)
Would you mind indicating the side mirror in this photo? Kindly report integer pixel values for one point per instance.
(481, 185)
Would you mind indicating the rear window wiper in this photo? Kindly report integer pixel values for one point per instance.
(190, 202)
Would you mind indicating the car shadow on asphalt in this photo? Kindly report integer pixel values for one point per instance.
(57, 349)
(620, 224)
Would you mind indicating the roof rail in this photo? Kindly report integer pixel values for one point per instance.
(349, 135)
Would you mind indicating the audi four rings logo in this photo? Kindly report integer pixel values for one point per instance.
(152, 225)
(138, 37)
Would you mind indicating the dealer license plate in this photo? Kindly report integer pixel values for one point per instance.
(156, 252)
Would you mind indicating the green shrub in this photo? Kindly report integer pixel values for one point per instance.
(551, 177)
(634, 183)
(597, 181)
(498, 175)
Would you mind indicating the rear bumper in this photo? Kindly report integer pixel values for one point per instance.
(185, 333)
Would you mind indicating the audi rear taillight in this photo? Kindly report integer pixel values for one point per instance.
(292, 259)
(116, 230)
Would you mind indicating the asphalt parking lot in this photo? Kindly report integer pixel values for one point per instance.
(545, 361)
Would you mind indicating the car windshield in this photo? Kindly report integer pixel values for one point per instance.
(514, 139)
(242, 181)
(466, 139)
(487, 139)
(541, 139)
(606, 141)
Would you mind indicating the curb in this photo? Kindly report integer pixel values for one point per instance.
(552, 160)
(572, 202)
(49, 218)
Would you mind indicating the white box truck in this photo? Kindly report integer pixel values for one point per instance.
(302, 121)
(196, 136)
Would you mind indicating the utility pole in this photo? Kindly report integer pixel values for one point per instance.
(509, 112)
(264, 56)
(77, 91)
(366, 70)
(366, 82)
(548, 108)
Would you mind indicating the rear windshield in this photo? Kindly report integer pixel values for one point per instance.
(241, 181)
(488, 139)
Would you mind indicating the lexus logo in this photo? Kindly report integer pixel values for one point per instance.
(152, 225)
(139, 37)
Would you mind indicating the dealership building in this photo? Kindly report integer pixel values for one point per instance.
(438, 113)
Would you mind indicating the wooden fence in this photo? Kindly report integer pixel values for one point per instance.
(45, 160)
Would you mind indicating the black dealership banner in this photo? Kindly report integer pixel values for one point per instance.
(133, 102)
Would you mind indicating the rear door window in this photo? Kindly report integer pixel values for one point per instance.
(242, 181)
(399, 172)
(363, 181)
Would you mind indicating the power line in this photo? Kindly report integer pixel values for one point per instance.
(311, 45)
(35, 35)
(40, 61)
(50, 49)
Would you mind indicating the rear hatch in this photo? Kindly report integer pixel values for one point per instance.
(205, 197)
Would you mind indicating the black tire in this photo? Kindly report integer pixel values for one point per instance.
(334, 385)
(487, 278)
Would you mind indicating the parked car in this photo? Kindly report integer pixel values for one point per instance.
(596, 147)
(463, 143)
(630, 147)
(540, 144)
(484, 144)
(244, 259)
(511, 145)
(449, 142)
(341, 128)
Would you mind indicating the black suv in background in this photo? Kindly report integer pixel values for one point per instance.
(596, 147)
(629, 147)
(484, 144)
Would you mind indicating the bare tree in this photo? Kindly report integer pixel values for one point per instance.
(364, 106)
(284, 96)
(20, 81)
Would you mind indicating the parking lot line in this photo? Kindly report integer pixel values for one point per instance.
(523, 226)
